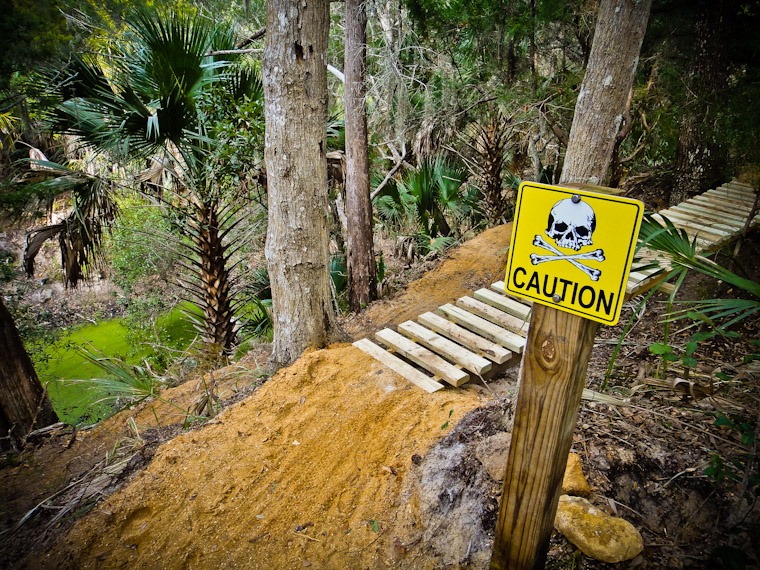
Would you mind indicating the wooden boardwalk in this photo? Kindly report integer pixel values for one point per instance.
(483, 335)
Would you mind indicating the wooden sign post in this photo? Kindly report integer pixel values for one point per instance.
(571, 253)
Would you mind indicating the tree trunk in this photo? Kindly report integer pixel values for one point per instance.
(599, 111)
(699, 156)
(295, 92)
(218, 328)
(362, 272)
(553, 372)
(24, 405)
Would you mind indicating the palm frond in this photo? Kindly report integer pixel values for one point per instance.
(682, 255)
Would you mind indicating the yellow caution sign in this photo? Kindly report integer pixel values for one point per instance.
(572, 249)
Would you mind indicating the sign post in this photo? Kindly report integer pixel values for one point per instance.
(571, 254)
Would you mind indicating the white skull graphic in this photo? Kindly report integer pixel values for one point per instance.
(571, 223)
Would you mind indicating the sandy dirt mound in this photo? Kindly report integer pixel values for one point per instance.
(307, 471)
(475, 264)
(70, 455)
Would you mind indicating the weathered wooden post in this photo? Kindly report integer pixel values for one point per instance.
(559, 343)
(571, 253)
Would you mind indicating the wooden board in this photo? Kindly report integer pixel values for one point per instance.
(503, 303)
(716, 205)
(690, 223)
(497, 317)
(702, 242)
(484, 328)
(698, 206)
(445, 347)
(399, 366)
(484, 347)
(500, 288)
(723, 196)
(736, 192)
(740, 185)
(702, 213)
(702, 221)
(423, 357)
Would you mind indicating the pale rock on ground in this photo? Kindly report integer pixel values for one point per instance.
(596, 533)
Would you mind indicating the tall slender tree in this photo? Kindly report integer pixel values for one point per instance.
(295, 94)
(362, 271)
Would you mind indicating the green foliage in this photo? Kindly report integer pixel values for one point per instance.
(426, 198)
(198, 122)
(714, 316)
(743, 470)
(339, 273)
(7, 272)
(135, 248)
(683, 257)
(31, 31)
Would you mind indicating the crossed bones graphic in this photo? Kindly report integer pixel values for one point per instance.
(596, 255)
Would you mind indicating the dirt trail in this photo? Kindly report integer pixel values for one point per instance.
(307, 471)
(475, 264)
(325, 445)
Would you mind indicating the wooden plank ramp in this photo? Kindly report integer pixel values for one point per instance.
(476, 338)
(715, 218)
(482, 335)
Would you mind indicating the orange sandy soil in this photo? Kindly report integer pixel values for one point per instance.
(475, 264)
(308, 471)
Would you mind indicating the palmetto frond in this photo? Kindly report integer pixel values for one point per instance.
(159, 96)
(147, 95)
(81, 233)
(682, 255)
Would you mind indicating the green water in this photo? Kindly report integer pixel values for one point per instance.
(63, 367)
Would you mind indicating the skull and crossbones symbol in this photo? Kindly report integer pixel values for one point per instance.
(571, 225)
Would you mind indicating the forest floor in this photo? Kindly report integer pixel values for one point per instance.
(337, 462)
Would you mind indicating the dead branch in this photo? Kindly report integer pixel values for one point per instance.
(388, 176)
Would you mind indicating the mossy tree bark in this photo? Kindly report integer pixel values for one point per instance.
(24, 405)
(294, 69)
(620, 29)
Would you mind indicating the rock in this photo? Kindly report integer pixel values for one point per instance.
(595, 533)
(574, 483)
(492, 452)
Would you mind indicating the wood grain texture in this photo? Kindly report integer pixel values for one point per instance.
(423, 357)
(400, 367)
(484, 328)
(503, 303)
(551, 385)
(484, 347)
(496, 316)
(445, 347)
(700, 212)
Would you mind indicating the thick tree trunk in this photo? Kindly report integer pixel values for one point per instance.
(295, 91)
(699, 156)
(362, 272)
(24, 405)
(553, 372)
(601, 102)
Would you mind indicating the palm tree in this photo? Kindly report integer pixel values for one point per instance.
(159, 96)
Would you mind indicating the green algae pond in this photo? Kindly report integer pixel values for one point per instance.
(68, 373)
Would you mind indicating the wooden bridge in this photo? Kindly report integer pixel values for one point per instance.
(485, 334)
